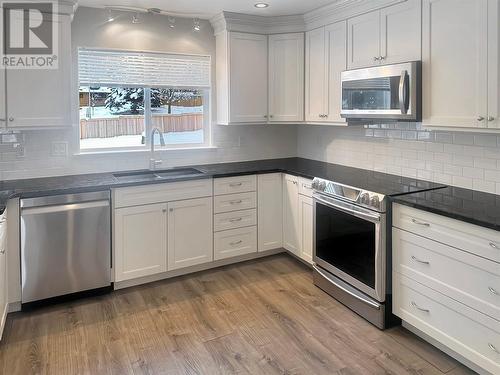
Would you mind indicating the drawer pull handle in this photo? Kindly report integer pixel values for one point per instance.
(236, 243)
(494, 245)
(236, 184)
(419, 261)
(235, 219)
(492, 347)
(419, 308)
(236, 202)
(493, 291)
(415, 221)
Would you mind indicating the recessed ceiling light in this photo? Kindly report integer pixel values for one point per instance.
(261, 5)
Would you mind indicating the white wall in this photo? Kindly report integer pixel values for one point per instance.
(89, 29)
(468, 160)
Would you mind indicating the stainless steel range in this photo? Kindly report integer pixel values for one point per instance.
(350, 247)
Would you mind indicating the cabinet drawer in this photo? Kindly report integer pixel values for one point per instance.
(471, 334)
(238, 184)
(237, 219)
(160, 193)
(234, 242)
(467, 278)
(305, 187)
(235, 202)
(468, 237)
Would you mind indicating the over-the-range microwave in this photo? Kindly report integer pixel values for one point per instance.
(386, 92)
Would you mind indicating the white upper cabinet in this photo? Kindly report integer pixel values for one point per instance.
(242, 87)
(493, 118)
(190, 233)
(455, 43)
(286, 77)
(336, 49)
(316, 72)
(325, 60)
(363, 40)
(40, 98)
(3, 114)
(386, 36)
(400, 32)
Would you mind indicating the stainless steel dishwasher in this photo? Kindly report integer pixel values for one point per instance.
(65, 244)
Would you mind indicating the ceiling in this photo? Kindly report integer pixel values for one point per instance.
(209, 8)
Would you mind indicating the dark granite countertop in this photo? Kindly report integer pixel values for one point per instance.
(375, 181)
(462, 204)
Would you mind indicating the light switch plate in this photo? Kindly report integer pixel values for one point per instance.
(59, 148)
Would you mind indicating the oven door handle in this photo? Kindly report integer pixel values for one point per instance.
(365, 300)
(360, 214)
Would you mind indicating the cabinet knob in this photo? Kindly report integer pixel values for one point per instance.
(491, 118)
(480, 118)
(171, 210)
(164, 210)
(382, 58)
(11, 119)
(265, 116)
(492, 347)
(376, 58)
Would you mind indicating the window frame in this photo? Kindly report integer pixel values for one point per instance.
(207, 112)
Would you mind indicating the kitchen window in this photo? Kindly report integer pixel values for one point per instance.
(124, 95)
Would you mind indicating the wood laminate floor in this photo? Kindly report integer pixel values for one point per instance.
(259, 317)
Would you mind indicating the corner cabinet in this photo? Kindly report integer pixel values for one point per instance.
(3, 272)
(387, 36)
(241, 69)
(286, 77)
(460, 63)
(291, 214)
(189, 233)
(40, 98)
(325, 60)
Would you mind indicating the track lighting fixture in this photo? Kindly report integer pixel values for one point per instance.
(171, 22)
(110, 17)
(196, 25)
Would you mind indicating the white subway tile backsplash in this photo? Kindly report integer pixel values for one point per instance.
(469, 160)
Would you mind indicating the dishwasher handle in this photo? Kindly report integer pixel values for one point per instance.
(63, 208)
(53, 200)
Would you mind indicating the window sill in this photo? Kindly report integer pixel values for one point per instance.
(141, 151)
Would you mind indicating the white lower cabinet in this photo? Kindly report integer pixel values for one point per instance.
(446, 283)
(189, 233)
(140, 241)
(291, 214)
(3, 271)
(150, 239)
(270, 211)
(297, 217)
(235, 242)
(305, 227)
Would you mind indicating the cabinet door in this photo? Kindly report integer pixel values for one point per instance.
(290, 214)
(306, 227)
(3, 271)
(400, 33)
(363, 40)
(3, 114)
(140, 241)
(337, 49)
(316, 76)
(493, 64)
(270, 211)
(286, 77)
(190, 233)
(39, 98)
(248, 78)
(454, 56)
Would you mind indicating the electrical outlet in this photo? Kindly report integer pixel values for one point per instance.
(59, 148)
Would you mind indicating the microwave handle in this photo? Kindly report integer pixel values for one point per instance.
(403, 92)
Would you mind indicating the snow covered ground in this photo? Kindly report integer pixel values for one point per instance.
(177, 138)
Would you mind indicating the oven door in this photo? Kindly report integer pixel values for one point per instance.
(383, 92)
(349, 242)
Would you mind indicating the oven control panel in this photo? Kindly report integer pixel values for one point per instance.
(369, 199)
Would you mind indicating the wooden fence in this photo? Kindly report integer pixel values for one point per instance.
(134, 125)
